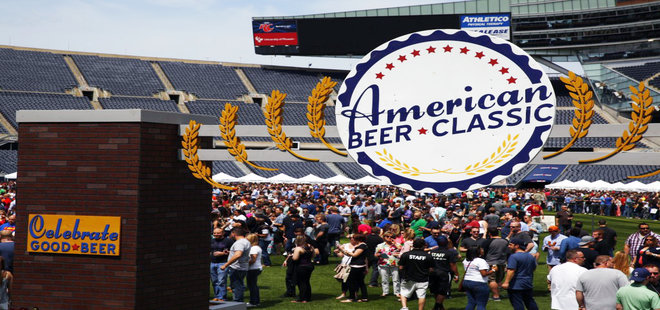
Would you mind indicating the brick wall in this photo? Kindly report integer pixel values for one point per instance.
(113, 169)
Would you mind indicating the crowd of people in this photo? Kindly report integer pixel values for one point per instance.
(413, 242)
(7, 230)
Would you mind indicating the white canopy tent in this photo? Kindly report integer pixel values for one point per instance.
(284, 178)
(11, 176)
(600, 185)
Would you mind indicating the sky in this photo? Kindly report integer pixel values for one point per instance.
(216, 30)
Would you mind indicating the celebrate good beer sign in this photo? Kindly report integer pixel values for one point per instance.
(444, 111)
(74, 234)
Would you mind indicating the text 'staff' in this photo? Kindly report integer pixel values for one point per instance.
(445, 110)
(74, 234)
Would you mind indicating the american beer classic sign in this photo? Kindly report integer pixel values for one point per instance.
(74, 234)
(445, 110)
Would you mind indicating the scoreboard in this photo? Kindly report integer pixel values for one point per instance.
(359, 35)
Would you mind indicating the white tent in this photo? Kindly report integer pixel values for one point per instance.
(369, 180)
(339, 179)
(223, 177)
(252, 178)
(310, 178)
(282, 178)
(560, 185)
(601, 185)
(11, 176)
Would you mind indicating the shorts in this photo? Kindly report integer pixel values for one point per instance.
(410, 287)
(498, 275)
(440, 283)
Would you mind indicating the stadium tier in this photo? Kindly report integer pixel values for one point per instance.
(155, 104)
(119, 76)
(641, 72)
(294, 169)
(352, 170)
(609, 173)
(204, 80)
(586, 142)
(565, 117)
(34, 71)
(8, 162)
(248, 113)
(227, 167)
(519, 175)
(10, 102)
(297, 84)
(132, 83)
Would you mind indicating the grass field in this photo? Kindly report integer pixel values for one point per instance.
(325, 288)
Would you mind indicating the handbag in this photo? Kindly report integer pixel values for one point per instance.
(341, 272)
(460, 283)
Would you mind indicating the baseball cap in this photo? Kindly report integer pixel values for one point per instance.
(639, 274)
(553, 228)
(585, 239)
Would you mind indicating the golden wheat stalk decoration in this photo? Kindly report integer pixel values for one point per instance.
(228, 133)
(641, 116)
(584, 104)
(645, 100)
(503, 151)
(190, 145)
(316, 112)
(273, 118)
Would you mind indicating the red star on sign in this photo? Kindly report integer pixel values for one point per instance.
(479, 55)
(402, 58)
(379, 75)
(464, 50)
(512, 80)
(389, 66)
(504, 70)
(493, 62)
(422, 131)
(75, 247)
(447, 48)
(415, 53)
(431, 49)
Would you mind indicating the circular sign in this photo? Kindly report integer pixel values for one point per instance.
(444, 111)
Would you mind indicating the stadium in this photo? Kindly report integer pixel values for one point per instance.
(615, 42)
(615, 46)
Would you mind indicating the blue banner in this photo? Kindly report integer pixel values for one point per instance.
(544, 173)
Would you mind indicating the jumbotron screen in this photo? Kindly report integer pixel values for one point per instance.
(359, 35)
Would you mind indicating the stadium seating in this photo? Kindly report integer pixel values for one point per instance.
(565, 117)
(8, 162)
(34, 71)
(120, 76)
(138, 103)
(352, 170)
(655, 82)
(11, 102)
(641, 72)
(248, 113)
(587, 142)
(296, 115)
(519, 175)
(227, 167)
(294, 169)
(609, 173)
(297, 85)
(204, 80)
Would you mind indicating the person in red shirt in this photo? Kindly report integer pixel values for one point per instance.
(535, 210)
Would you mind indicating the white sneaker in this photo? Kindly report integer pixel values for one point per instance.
(404, 308)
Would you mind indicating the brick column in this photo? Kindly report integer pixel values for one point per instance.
(113, 163)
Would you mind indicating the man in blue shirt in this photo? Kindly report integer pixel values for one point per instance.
(572, 242)
(336, 225)
(519, 281)
(432, 240)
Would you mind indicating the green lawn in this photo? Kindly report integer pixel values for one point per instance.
(325, 288)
